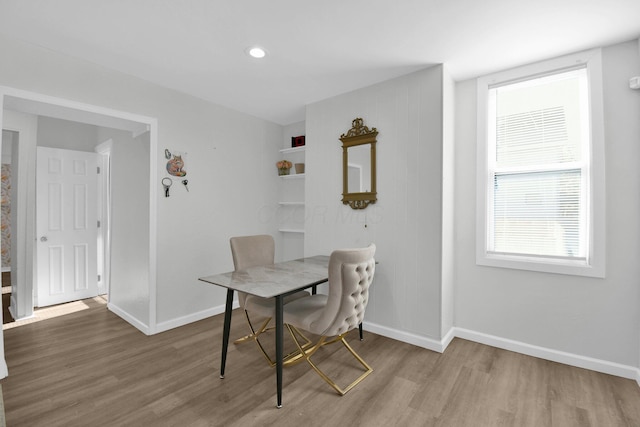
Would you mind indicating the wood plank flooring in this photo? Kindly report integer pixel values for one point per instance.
(90, 368)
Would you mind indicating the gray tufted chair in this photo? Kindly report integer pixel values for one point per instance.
(253, 251)
(332, 316)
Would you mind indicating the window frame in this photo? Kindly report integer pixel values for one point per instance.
(594, 265)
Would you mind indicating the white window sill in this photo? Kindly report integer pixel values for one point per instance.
(546, 265)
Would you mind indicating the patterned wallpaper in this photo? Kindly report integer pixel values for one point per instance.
(5, 205)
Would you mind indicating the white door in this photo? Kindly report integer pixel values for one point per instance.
(66, 225)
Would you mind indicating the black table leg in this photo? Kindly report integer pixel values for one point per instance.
(227, 328)
(279, 345)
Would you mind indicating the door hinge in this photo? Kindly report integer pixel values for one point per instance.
(98, 277)
(98, 223)
(98, 170)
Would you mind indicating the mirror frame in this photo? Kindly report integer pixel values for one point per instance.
(359, 134)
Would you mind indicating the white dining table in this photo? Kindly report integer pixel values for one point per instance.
(270, 281)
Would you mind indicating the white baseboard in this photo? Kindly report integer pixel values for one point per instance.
(440, 346)
(571, 359)
(12, 306)
(408, 337)
(449, 336)
(4, 370)
(129, 318)
(12, 311)
(194, 317)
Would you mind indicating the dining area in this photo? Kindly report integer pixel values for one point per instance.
(315, 300)
(285, 296)
(193, 334)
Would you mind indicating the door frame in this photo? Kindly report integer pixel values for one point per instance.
(22, 214)
(39, 104)
(104, 215)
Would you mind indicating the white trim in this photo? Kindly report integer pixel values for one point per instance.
(449, 336)
(153, 223)
(571, 359)
(597, 365)
(44, 105)
(16, 318)
(407, 337)
(23, 295)
(128, 318)
(193, 317)
(104, 202)
(597, 203)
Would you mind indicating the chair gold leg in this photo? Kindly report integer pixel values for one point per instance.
(305, 354)
(255, 334)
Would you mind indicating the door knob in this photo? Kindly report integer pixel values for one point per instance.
(43, 239)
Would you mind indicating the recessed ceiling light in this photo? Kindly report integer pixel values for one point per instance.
(256, 52)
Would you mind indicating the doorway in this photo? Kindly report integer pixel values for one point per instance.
(26, 103)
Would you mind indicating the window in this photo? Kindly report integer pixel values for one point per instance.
(541, 167)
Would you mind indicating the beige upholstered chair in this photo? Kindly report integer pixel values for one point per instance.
(332, 316)
(253, 251)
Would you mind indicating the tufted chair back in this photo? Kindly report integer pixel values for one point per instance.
(350, 275)
(251, 251)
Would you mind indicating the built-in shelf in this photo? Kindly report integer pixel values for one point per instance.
(290, 212)
(294, 176)
(292, 150)
(291, 230)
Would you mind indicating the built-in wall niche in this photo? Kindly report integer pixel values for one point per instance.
(291, 209)
(291, 205)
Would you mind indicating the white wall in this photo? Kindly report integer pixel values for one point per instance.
(230, 168)
(22, 210)
(56, 133)
(406, 222)
(128, 292)
(596, 318)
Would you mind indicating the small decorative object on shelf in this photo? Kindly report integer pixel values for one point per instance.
(284, 166)
(297, 141)
(299, 168)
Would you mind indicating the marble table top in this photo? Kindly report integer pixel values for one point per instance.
(276, 279)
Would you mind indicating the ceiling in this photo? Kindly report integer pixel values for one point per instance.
(316, 49)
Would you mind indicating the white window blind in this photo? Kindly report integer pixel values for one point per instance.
(538, 145)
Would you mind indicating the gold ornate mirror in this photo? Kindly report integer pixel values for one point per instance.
(359, 165)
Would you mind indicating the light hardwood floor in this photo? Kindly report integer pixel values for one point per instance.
(90, 368)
